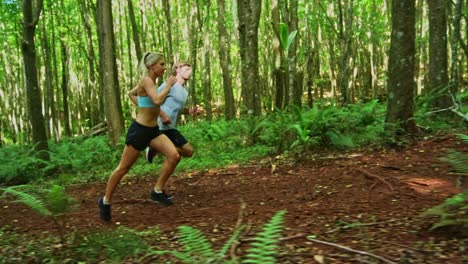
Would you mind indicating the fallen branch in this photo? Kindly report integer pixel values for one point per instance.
(240, 217)
(373, 176)
(356, 225)
(351, 250)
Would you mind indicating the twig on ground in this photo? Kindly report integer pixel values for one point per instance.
(351, 250)
(373, 176)
(240, 217)
(360, 225)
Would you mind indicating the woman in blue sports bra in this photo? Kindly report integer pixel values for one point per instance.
(144, 132)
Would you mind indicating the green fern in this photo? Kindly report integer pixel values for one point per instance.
(458, 160)
(197, 248)
(52, 202)
(195, 243)
(265, 248)
(35, 203)
(453, 212)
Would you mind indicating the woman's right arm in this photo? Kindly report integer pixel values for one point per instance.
(133, 94)
(158, 98)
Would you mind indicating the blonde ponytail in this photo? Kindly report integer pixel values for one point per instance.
(149, 58)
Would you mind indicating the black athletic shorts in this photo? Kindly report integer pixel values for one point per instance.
(175, 136)
(139, 136)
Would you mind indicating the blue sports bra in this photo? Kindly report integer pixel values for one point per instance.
(145, 101)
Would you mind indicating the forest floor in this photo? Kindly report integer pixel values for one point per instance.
(367, 200)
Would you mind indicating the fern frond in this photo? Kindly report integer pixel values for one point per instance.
(29, 200)
(228, 244)
(458, 160)
(463, 137)
(265, 247)
(195, 243)
(58, 201)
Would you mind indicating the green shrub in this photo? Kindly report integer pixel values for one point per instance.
(113, 245)
(451, 213)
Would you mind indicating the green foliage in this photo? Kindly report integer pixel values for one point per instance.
(342, 128)
(458, 160)
(114, 245)
(286, 38)
(70, 158)
(451, 213)
(265, 247)
(197, 248)
(53, 202)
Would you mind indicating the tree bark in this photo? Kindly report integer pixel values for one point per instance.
(248, 12)
(456, 38)
(400, 83)
(64, 88)
(108, 72)
(225, 61)
(167, 13)
(294, 76)
(438, 78)
(135, 34)
(33, 92)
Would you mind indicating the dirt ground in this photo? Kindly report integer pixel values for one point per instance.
(366, 200)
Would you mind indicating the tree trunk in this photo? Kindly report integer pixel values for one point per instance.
(225, 61)
(167, 13)
(196, 23)
(249, 17)
(207, 79)
(278, 75)
(96, 104)
(438, 78)
(33, 92)
(49, 102)
(108, 72)
(293, 72)
(400, 83)
(135, 34)
(64, 88)
(456, 38)
(345, 24)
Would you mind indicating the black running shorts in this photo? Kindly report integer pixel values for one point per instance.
(175, 136)
(139, 136)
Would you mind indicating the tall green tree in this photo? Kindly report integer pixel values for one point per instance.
(400, 83)
(31, 16)
(225, 61)
(108, 71)
(438, 76)
(248, 12)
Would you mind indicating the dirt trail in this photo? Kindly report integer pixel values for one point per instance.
(384, 191)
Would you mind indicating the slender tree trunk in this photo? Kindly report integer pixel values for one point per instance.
(225, 61)
(33, 92)
(94, 93)
(278, 72)
(438, 78)
(49, 102)
(64, 88)
(294, 76)
(167, 13)
(108, 72)
(135, 34)
(456, 38)
(345, 24)
(400, 83)
(249, 16)
(207, 79)
(196, 23)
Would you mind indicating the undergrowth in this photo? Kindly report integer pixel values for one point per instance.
(218, 143)
(126, 245)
